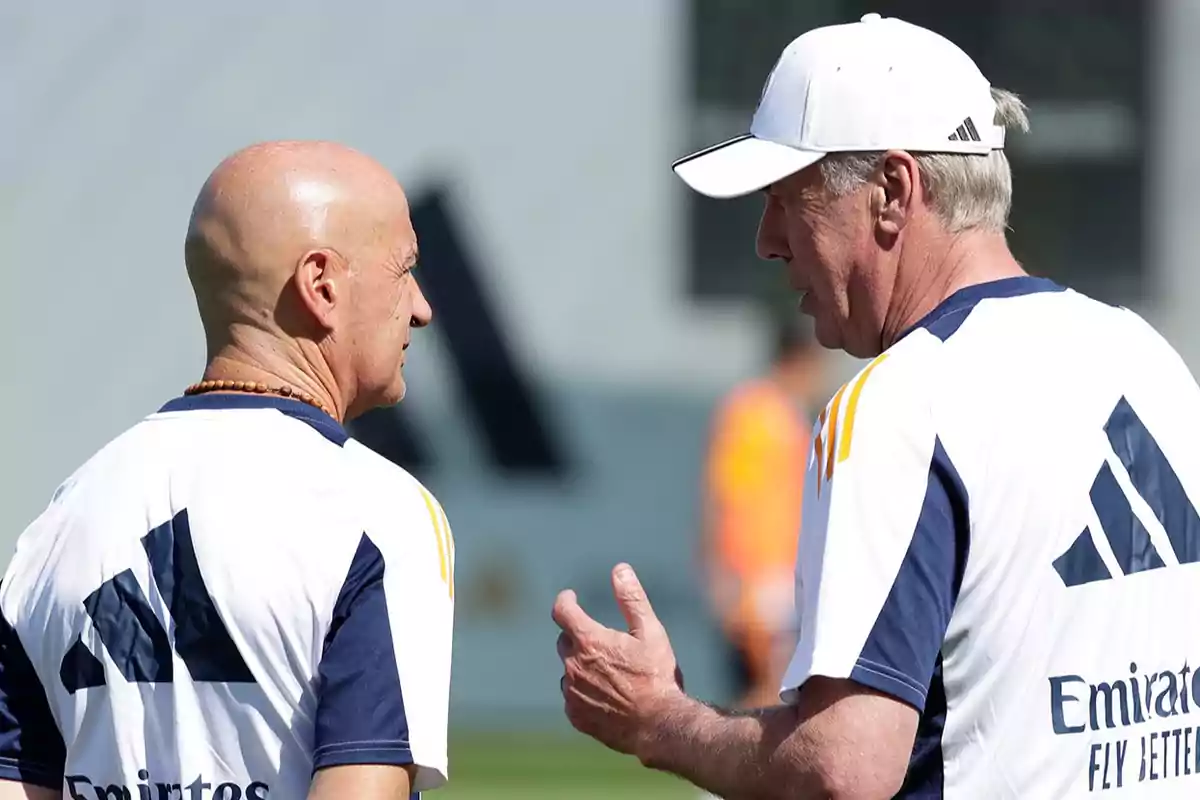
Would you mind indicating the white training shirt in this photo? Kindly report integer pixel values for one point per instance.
(228, 596)
(1000, 529)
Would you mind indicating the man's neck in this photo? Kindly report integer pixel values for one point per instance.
(966, 260)
(265, 363)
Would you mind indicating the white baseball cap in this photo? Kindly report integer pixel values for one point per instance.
(873, 85)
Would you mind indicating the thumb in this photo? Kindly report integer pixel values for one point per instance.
(570, 616)
(634, 604)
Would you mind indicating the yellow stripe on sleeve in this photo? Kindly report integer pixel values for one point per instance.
(436, 520)
(832, 432)
(819, 448)
(449, 548)
(852, 408)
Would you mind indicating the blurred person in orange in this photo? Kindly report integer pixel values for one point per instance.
(758, 450)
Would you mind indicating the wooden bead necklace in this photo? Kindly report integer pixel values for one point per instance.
(257, 388)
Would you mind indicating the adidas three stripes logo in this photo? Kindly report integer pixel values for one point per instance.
(966, 132)
(1151, 484)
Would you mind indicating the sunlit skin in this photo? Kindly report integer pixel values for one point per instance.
(301, 255)
(871, 263)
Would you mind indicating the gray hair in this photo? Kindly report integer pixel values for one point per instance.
(967, 192)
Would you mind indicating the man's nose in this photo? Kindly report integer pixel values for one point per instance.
(422, 312)
(771, 242)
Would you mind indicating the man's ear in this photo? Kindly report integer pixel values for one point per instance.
(318, 281)
(896, 190)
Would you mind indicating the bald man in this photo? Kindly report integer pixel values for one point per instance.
(234, 600)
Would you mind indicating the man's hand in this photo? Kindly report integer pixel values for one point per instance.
(615, 684)
(624, 689)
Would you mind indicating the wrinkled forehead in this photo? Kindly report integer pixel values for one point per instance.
(808, 182)
(804, 193)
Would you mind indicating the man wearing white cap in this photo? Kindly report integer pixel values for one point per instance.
(999, 550)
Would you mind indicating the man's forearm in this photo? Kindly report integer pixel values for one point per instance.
(739, 755)
(10, 790)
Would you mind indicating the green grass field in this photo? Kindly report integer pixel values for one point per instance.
(540, 767)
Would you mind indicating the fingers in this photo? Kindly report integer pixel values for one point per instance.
(633, 602)
(565, 646)
(570, 616)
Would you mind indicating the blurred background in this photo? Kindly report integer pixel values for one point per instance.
(591, 315)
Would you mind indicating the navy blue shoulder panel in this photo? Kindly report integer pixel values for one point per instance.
(315, 418)
(903, 652)
(31, 747)
(952, 312)
(360, 717)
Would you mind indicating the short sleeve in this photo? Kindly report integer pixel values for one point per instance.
(31, 746)
(383, 679)
(884, 539)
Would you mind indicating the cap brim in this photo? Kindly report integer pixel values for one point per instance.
(741, 165)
